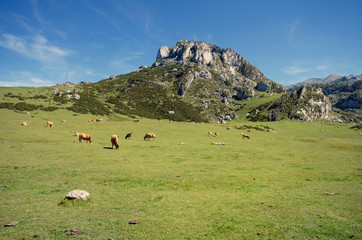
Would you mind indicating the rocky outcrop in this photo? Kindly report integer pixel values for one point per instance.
(306, 104)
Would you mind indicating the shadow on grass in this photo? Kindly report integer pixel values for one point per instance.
(107, 148)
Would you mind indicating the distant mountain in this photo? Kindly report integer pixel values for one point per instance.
(344, 92)
(330, 80)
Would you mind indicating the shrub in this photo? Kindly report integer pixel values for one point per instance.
(7, 105)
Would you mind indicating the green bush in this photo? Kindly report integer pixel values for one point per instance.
(7, 105)
(89, 104)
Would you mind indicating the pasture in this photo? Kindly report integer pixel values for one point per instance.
(179, 185)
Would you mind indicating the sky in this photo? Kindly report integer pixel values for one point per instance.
(45, 42)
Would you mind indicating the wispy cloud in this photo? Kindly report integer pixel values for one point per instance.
(124, 64)
(37, 14)
(295, 69)
(23, 78)
(104, 15)
(292, 29)
(142, 17)
(36, 48)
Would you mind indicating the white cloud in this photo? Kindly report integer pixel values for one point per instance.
(295, 69)
(36, 48)
(322, 67)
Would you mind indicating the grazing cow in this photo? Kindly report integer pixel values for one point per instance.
(115, 142)
(136, 120)
(216, 134)
(149, 136)
(25, 123)
(50, 124)
(84, 136)
(129, 135)
(63, 120)
(245, 136)
(210, 133)
(99, 120)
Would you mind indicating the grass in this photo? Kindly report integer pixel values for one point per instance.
(255, 102)
(178, 186)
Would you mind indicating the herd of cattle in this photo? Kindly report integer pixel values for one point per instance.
(115, 138)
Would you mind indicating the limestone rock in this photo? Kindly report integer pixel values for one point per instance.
(78, 194)
(162, 52)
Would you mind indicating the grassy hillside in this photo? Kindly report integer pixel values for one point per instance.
(178, 186)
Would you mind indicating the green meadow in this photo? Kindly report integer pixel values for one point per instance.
(301, 182)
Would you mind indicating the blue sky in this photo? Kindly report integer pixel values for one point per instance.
(44, 42)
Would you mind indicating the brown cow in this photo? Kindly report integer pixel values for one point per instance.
(50, 124)
(115, 142)
(25, 123)
(216, 134)
(149, 136)
(136, 120)
(63, 121)
(129, 135)
(245, 136)
(210, 133)
(84, 136)
(99, 120)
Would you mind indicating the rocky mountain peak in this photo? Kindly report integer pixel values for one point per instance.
(207, 55)
(333, 77)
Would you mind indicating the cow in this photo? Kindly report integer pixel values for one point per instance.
(245, 136)
(210, 133)
(99, 120)
(149, 136)
(50, 124)
(84, 136)
(129, 135)
(216, 134)
(25, 123)
(63, 121)
(136, 120)
(115, 142)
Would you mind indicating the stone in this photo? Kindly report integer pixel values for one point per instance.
(12, 224)
(78, 194)
(162, 52)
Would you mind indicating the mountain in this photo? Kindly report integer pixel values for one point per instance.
(344, 92)
(331, 79)
(208, 79)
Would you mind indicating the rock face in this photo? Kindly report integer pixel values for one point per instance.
(311, 105)
(212, 78)
(306, 104)
(78, 194)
